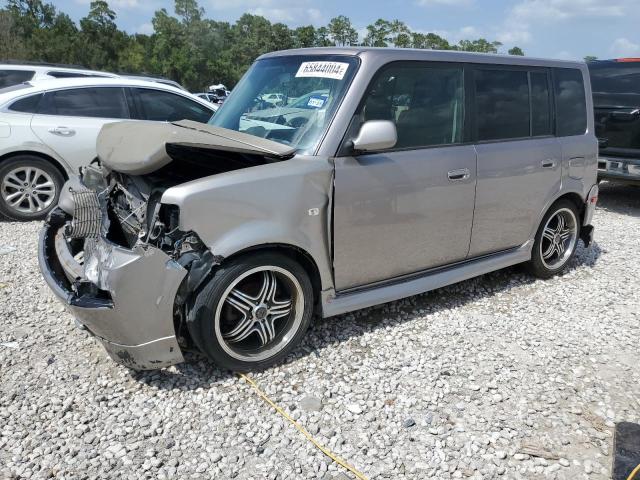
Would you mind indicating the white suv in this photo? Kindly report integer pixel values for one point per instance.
(48, 129)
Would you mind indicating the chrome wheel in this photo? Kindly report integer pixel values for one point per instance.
(559, 238)
(28, 190)
(259, 313)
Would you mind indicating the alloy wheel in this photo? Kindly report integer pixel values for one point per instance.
(559, 238)
(28, 189)
(259, 313)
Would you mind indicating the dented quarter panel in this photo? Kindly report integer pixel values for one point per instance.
(266, 204)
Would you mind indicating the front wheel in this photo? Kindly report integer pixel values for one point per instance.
(252, 312)
(556, 240)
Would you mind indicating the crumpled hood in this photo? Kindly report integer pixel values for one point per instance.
(140, 147)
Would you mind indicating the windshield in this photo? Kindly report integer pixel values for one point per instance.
(288, 99)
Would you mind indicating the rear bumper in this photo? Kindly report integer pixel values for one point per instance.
(131, 310)
(619, 168)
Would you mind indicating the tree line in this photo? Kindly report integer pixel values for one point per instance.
(186, 46)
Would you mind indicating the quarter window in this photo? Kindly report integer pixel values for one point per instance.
(571, 106)
(101, 102)
(168, 107)
(425, 103)
(502, 104)
(26, 105)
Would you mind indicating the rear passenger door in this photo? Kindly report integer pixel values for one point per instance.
(519, 158)
(163, 106)
(69, 120)
(409, 208)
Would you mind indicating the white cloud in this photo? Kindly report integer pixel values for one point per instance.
(286, 11)
(553, 10)
(449, 3)
(145, 28)
(622, 47)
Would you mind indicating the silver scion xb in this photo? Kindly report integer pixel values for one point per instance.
(378, 174)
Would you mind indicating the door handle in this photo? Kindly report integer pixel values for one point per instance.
(62, 131)
(548, 163)
(460, 174)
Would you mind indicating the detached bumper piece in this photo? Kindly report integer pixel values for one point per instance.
(128, 302)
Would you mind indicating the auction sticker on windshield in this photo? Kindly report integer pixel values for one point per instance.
(335, 70)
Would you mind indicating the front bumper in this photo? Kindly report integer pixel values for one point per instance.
(618, 168)
(131, 312)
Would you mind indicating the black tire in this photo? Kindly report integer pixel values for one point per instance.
(7, 167)
(540, 267)
(210, 303)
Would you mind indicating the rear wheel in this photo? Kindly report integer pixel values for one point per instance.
(556, 240)
(29, 187)
(252, 312)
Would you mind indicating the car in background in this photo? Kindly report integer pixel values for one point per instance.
(11, 74)
(48, 129)
(14, 74)
(274, 99)
(209, 97)
(616, 99)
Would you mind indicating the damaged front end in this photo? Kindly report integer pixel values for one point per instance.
(120, 271)
(114, 253)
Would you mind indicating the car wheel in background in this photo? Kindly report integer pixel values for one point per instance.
(556, 240)
(29, 187)
(252, 312)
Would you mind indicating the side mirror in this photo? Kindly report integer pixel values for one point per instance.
(376, 135)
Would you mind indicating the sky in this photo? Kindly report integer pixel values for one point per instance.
(563, 29)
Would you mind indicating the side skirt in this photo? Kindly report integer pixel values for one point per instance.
(406, 286)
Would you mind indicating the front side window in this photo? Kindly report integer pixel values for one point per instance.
(426, 102)
(100, 102)
(502, 104)
(9, 78)
(161, 106)
(571, 106)
(288, 99)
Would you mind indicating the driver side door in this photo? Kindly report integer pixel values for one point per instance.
(409, 208)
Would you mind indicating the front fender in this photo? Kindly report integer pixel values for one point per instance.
(285, 202)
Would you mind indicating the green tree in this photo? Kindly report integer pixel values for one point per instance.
(378, 34)
(304, 37)
(481, 45)
(516, 51)
(342, 32)
(590, 58)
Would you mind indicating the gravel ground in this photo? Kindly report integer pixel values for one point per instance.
(502, 376)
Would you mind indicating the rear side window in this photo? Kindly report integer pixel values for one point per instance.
(9, 78)
(502, 104)
(425, 102)
(101, 102)
(26, 105)
(571, 105)
(163, 106)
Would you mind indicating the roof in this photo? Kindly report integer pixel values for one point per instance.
(424, 54)
(35, 86)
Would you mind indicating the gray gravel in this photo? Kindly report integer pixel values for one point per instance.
(498, 377)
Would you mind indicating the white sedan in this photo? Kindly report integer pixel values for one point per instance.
(48, 129)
